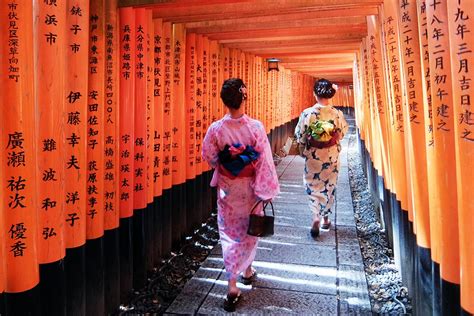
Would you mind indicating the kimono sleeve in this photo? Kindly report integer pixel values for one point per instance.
(342, 124)
(210, 149)
(300, 129)
(266, 184)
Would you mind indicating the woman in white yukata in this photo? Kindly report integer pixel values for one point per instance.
(321, 164)
(237, 147)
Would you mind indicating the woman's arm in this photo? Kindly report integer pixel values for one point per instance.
(210, 150)
(342, 124)
(266, 185)
(299, 134)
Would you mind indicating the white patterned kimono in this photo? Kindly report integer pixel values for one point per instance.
(235, 197)
(322, 164)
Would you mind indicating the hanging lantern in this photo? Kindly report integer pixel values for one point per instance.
(273, 64)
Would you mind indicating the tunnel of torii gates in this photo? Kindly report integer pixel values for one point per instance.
(104, 106)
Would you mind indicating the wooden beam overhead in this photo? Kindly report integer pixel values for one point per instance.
(297, 60)
(297, 31)
(310, 37)
(328, 51)
(315, 65)
(256, 24)
(306, 57)
(187, 8)
(294, 45)
(302, 49)
(265, 17)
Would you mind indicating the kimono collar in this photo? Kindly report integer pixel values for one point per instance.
(321, 106)
(242, 120)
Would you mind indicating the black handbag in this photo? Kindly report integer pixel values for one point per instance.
(261, 226)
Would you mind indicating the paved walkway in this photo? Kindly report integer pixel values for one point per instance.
(296, 275)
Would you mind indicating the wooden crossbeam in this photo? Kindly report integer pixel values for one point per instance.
(308, 37)
(297, 31)
(325, 24)
(295, 54)
(265, 17)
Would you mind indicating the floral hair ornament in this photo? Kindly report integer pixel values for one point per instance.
(243, 91)
(334, 86)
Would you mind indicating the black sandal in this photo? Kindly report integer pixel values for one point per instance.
(250, 279)
(326, 226)
(314, 232)
(231, 302)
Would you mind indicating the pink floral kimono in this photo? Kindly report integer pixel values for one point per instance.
(237, 195)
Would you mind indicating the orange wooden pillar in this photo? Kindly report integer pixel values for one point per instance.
(95, 122)
(269, 96)
(193, 220)
(401, 165)
(95, 160)
(158, 106)
(205, 95)
(76, 117)
(460, 15)
(216, 108)
(250, 84)
(220, 79)
(139, 140)
(379, 101)
(111, 119)
(2, 248)
(215, 102)
(201, 181)
(111, 159)
(126, 144)
(139, 32)
(150, 102)
(444, 153)
(167, 105)
(435, 223)
(401, 208)
(18, 170)
(49, 81)
(375, 152)
(206, 122)
(416, 142)
(50, 155)
(158, 83)
(167, 133)
(76, 120)
(127, 110)
(151, 233)
(231, 66)
(225, 58)
(179, 140)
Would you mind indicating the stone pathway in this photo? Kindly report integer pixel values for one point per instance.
(296, 275)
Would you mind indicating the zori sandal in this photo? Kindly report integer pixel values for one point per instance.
(231, 302)
(326, 226)
(314, 232)
(250, 279)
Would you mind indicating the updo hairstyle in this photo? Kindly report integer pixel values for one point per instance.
(233, 92)
(323, 88)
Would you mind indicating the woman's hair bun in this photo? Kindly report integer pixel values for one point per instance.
(233, 92)
(323, 88)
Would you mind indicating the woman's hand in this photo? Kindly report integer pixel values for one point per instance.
(301, 148)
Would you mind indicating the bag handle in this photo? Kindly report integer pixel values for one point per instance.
(264, 207)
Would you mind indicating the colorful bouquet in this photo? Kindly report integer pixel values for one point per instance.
(322, 134)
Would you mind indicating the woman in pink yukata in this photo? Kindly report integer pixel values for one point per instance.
(237, 147)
